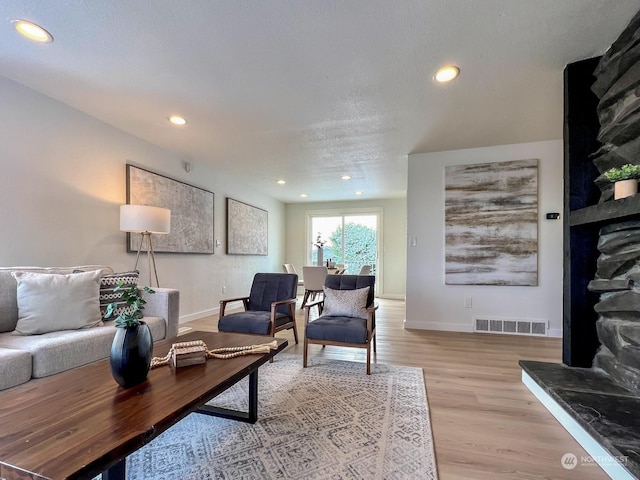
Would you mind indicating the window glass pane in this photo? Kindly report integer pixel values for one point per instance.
(360, 242)
(323, 228)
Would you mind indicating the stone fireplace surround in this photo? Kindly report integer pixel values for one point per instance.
(600, 405)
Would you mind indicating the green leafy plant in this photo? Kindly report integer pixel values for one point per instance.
(625, 172)
(359, 249)
(134, 299)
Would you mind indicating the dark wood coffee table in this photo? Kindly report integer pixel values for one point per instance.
(80, 423)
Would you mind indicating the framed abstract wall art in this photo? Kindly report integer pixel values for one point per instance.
(491, 223)
(191, 211)
(247, 229)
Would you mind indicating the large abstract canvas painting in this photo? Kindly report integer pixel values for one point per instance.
(491, 223)
(191, 211)
(247, 229)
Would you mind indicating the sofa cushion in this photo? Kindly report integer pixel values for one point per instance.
(53, 302)
(15, 368)
(345, 303)
(158, 327)
(8, 288)
(56, 352)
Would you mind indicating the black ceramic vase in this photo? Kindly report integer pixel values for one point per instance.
(131, 353)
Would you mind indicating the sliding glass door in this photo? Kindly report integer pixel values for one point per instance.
(348, 240)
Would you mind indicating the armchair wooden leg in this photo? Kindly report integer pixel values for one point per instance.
(292, 314)
(304, 352)
(369, 358)
(374, 342)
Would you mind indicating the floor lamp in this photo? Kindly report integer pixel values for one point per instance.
(145, 220)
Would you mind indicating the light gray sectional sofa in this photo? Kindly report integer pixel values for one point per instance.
(23, 357)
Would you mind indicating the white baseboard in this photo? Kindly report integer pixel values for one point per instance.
(393, 296)
(198, 315)
(555, 332)
(441, 326)
(207, 313)
(596, 452)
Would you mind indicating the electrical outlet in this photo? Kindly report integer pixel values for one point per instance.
(467, 302)
(224, 289)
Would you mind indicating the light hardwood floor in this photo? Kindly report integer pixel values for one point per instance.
(486, 423)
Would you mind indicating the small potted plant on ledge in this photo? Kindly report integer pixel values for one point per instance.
(132, 346)
(625, 180)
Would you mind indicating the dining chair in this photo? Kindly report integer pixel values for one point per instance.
(313, 282)
(347, 315)
(289, 268)
(365, 270)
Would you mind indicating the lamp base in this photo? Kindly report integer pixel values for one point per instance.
(145, 238)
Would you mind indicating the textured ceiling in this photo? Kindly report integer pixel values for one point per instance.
(308, 90)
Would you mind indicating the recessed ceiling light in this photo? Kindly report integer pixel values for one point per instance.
(304, 195)
(358, 192)
(177, 120)
(446, 74)
(32, 31)
(281, 182)
(346, 177)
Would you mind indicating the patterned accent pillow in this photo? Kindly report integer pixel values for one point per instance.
(107, 295)
(345, 303)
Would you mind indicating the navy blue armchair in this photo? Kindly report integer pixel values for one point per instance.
(346, 319)
(269, 308)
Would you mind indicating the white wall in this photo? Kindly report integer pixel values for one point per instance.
(433, 305)
(62, 181)
(393, 253)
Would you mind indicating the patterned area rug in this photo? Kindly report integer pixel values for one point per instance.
(328, 421)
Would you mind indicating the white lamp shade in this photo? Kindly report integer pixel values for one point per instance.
(145, 218)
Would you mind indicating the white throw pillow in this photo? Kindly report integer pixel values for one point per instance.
(51, 302)
(345, 303)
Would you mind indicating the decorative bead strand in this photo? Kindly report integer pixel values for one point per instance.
(160, 361)
(273, 344)
(220, 353)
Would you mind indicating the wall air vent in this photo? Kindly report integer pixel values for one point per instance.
(510, 326)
